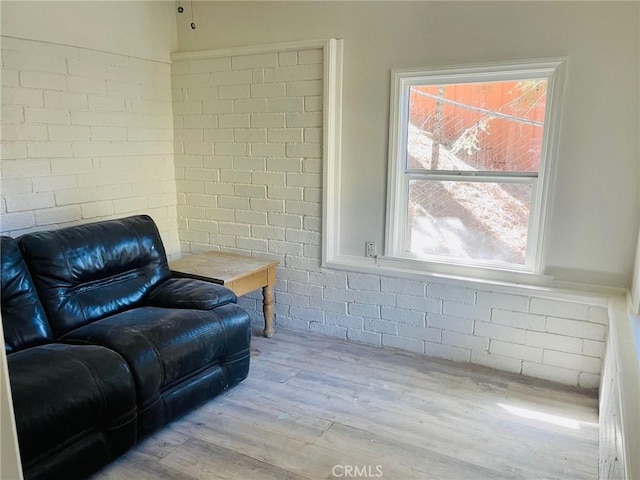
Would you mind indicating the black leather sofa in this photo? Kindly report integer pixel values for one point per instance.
(104, 312)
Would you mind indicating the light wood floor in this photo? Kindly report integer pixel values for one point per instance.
(317, 408)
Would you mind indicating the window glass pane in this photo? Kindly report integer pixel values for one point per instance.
(477, 221)
(493, 126)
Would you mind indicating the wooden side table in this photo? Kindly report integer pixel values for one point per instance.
(240, 273)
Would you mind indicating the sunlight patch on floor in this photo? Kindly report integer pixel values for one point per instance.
(545, 417)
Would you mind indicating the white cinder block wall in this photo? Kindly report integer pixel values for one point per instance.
(86, 135)
(249, 178)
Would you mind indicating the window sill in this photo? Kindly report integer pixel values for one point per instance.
(518, 283)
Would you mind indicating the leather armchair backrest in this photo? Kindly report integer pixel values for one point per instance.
(23, 319)
(87, 272)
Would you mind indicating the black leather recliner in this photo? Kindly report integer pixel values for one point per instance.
(108, 283)
(74, 405)
(104, 346)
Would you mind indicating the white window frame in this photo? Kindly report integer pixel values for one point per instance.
(397, 191)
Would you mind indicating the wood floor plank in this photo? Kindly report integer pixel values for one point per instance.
(138, 466)
(159, 446)
(312, 404)
(206, 460)
(400, 459)
(280, 450)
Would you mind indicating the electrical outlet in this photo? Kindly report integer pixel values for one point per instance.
(370, 249)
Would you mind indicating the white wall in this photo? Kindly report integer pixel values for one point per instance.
(248, 159)
(87, 128)
(595, 197)
(143, 29)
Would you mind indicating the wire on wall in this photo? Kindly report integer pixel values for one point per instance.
(181, 10)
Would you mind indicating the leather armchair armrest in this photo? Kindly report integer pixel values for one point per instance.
(190, 293)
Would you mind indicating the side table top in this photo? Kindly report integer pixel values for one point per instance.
(223, 266)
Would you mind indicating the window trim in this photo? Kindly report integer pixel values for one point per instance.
(401, 79)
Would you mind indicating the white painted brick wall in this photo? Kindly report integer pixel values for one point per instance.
(86, 136)
(257, 163)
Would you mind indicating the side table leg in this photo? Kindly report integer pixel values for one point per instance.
(267, 309)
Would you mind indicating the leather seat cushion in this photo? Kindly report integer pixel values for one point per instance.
(63, 394)
(162, 346)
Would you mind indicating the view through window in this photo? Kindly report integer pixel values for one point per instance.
(473, 154)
